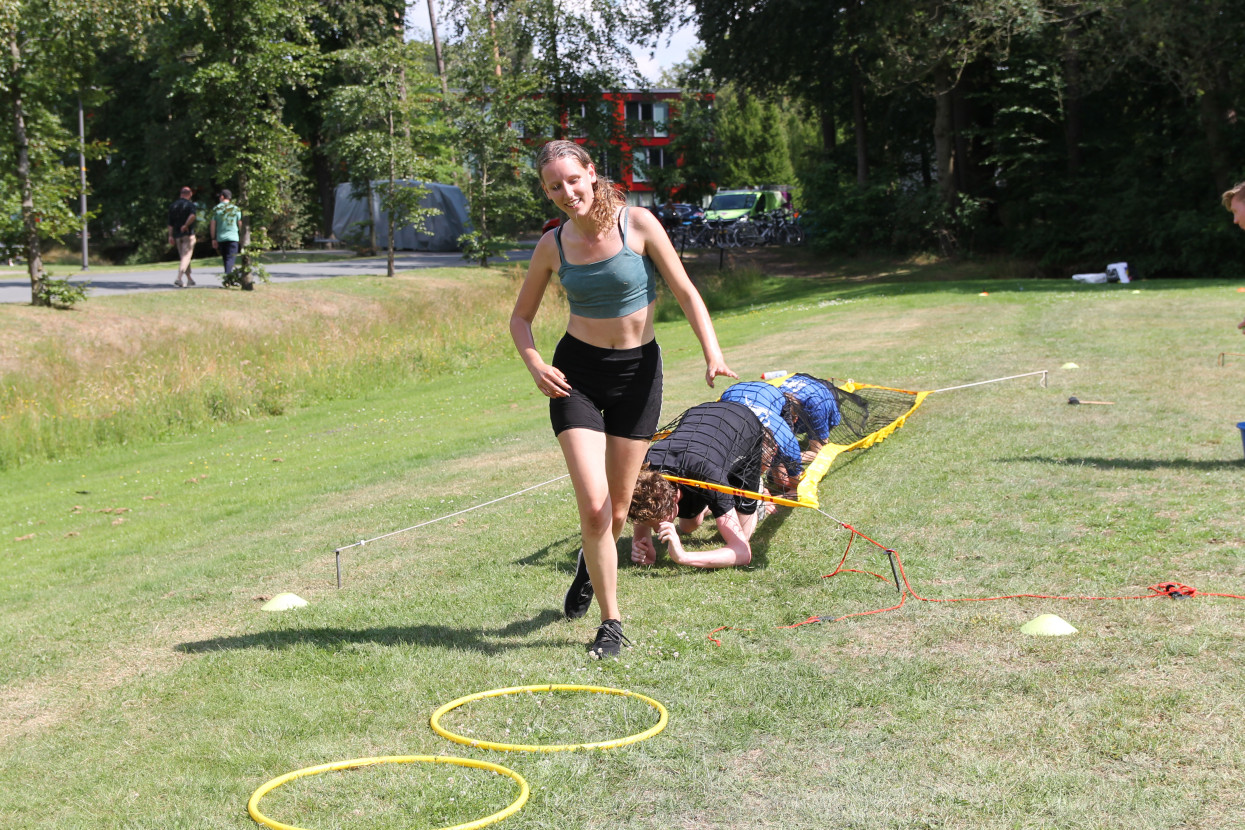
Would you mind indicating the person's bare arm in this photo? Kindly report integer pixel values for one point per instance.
(549, 380)
(736, 553)
(658, 248)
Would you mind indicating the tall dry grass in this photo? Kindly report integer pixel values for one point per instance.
(128, 369)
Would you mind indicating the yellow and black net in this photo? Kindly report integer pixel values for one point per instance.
(826, 418)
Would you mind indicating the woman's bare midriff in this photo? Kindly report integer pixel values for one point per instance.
(628, 332)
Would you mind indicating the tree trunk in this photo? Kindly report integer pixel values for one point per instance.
(859, 126)
(372, 217)
(323, 171)
(1072, 120)
(436, 47)
(1213, 116)
(944, 138)
(829, 131)
(392, 185)
(492, 31)
(21, 144)
(968, 112)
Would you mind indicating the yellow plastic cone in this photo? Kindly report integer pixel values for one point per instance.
(1069, 366)
(283, 602)
(1047, 625)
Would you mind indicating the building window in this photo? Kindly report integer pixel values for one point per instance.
(647, 118)
(646, 159)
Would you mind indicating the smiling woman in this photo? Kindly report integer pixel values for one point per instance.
(605, 382)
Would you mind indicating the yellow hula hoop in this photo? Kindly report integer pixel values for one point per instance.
(630, 739)
(252, 806)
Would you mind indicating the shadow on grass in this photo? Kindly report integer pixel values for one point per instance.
(1130, 463)
(552, 553)
(484, 641)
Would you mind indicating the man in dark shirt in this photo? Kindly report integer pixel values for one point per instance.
(720, 443)
(182, 235)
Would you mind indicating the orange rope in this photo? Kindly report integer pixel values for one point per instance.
(1172, 590)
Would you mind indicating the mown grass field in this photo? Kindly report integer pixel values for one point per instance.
(141, 686)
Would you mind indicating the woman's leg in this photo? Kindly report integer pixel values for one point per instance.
(623, 459)
(585, 454)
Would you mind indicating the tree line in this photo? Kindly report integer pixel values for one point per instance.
(1068, 133)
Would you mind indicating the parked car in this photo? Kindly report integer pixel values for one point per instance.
(678, 213)
(732, 205)
(551, 224)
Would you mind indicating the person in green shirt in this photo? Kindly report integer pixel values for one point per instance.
(225, 228)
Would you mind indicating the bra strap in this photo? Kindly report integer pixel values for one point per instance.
(557, 237)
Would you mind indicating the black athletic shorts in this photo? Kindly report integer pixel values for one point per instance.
(615, 391)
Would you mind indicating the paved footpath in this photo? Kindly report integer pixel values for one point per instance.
(15, 284)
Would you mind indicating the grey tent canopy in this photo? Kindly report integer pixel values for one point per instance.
(351, 217)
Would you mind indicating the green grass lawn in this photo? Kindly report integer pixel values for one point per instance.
(141, 685)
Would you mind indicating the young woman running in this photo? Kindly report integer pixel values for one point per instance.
(604, 384)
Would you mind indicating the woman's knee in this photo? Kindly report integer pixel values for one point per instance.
(596, 520)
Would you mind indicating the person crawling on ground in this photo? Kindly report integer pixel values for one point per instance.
(722, 443)
(818, 410)
(776, 410)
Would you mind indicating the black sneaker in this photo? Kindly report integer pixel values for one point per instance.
(609, 641)
(579, 595)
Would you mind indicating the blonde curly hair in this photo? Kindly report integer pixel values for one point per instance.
(1238, 189)
(606, 196)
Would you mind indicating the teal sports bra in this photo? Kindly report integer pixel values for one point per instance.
(614, 287)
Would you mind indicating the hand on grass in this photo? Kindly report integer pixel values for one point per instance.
(669, 534)
(643, 551)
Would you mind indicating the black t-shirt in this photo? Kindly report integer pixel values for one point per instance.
(179, 212)
(718, 442)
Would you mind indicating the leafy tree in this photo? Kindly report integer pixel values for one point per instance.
(381, 127)
(694, 133)
(775, 46)
(340, 25)
(754, 144)
(1195, 47)
(488, 112)
(574, 50)
(47, 50)
(248, 56)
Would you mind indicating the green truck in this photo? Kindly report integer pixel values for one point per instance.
(732, 205)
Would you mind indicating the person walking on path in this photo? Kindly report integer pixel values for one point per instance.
(226, 227)
(605, 382)
(182, 235)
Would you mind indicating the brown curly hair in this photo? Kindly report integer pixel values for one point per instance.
(607, 199)
(654, 498)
